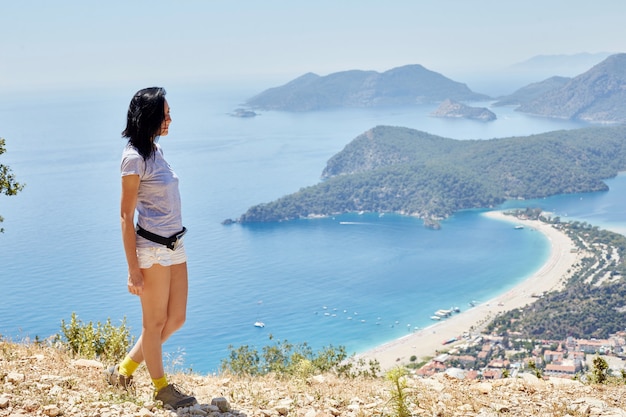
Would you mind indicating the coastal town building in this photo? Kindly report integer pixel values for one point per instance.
(565, 368)
(486, 358)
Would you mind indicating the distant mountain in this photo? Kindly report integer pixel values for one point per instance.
(544, 66)
(532, 91)
(500, 81)
(598, 95)
(407, 85)
(406, 171)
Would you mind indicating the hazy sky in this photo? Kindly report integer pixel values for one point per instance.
(76, 43)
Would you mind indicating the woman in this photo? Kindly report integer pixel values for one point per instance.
(157, 264)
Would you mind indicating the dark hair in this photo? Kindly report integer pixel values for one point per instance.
(143, 122)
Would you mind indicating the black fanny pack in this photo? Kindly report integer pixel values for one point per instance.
(170, 242)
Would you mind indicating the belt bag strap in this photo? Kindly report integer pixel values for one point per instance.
(170, 242)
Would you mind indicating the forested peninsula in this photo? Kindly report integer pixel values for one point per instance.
(410, 172)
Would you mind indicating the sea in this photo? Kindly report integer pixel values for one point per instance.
(356, 280)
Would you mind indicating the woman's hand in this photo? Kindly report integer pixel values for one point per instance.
(135, 282)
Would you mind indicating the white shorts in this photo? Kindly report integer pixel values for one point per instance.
(161, 255)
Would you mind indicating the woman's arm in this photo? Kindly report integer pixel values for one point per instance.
(130, 188)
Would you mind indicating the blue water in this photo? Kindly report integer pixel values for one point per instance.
(354, 280)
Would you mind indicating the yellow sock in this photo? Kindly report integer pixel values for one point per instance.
(128, 366)
(160, 383)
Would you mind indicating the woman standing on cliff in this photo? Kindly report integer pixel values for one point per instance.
(157, 263)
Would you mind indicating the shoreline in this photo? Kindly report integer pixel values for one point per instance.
(427, 342)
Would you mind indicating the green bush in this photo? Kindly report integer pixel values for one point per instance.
(242, 361)
(599, 373)
(105, 342)
(284, 358)
(533, 367)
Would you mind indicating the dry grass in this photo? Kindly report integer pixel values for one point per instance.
(44, 381)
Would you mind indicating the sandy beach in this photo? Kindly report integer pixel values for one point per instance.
(426, 342)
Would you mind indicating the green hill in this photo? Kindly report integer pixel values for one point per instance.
(406, 171)
(598, 95)
(532, 92)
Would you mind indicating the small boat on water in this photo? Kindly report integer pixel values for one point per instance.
(435, 318)
(259, 323)
(443, 313)
(519, 227)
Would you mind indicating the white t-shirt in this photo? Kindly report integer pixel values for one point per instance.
(158, 198)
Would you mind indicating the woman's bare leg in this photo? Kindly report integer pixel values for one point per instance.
(176, 308)
(154, 302)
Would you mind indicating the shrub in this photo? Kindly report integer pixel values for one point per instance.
(533, 367)
(284, 358)
(105, 342)
(600, 370)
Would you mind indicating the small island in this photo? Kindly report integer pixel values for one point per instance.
(454, 109)
(244, 113)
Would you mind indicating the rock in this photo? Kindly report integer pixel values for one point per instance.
(563, 382)
(51, 410)
(282, 410)
(500, 408)
(55, 391)
(31, 405)
(15, 377)
(318, 379)
(588, 406)
(62, 381)
(221, 403)
(353, 408)
(197, 412)
(4, 401)
(149, 405)
(283, 406)
(88, 363)
(432, 383)
(483, 388)
(532, 380)
(334, 411)
(356, 400)
(466, 408)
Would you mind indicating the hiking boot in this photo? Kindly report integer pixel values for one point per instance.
(172, 396)
(118, 380)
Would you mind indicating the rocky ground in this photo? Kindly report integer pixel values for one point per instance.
(36, 381)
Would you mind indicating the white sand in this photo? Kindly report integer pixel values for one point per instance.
(427, 342)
